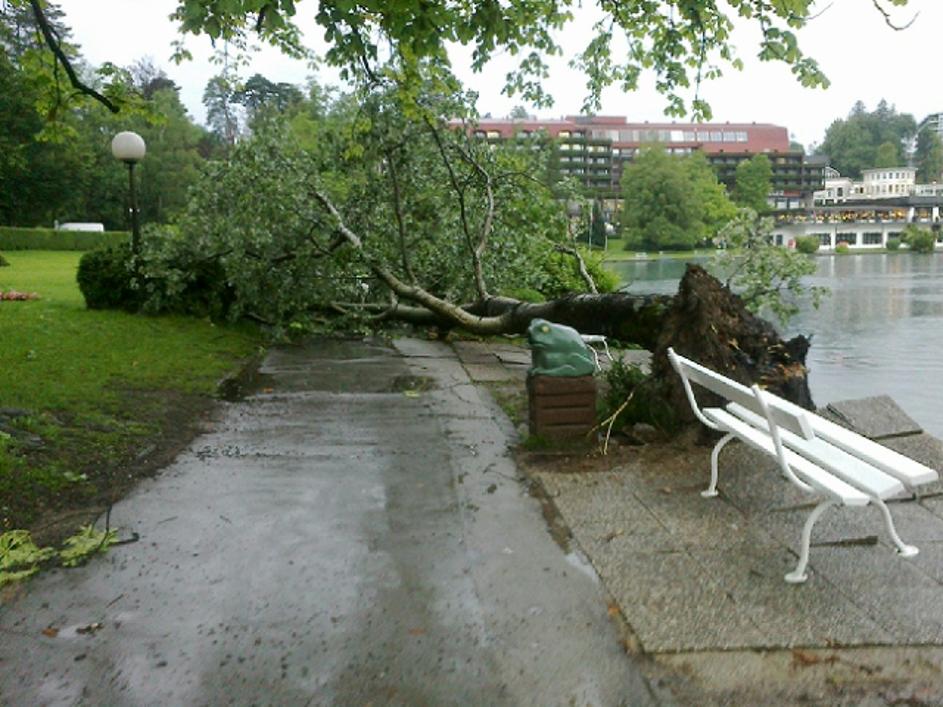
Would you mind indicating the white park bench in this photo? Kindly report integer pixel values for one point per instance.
(837, 465)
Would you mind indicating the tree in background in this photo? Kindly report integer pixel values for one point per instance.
(928, 157)
(753, 183)
(259, 95)
(223, 112)
(670, 203)
(852, 143)
(887, 155)
(714, 205)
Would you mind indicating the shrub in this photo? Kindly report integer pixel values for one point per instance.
(807, 244)
(560, 276)
(50, 239)
(919, 240)
(842, 248)
(893, 243)
(647, 405)
(106, 280)
(3, 261)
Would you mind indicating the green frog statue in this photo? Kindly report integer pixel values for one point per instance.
(558, 350)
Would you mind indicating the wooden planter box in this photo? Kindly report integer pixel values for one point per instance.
(561, 407)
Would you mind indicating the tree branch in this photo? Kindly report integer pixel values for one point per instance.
(53, 42)
(448, 311)
(475, 249)
(887, 17)
(581, 264)
(398, 210)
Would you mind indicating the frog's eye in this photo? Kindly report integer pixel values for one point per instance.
(545, 329)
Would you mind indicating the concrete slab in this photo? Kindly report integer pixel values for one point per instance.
(876, 417)
(788, 615)
(896, 595)
(673, 604)
(481, 373)
(474, 352)
(422, 348)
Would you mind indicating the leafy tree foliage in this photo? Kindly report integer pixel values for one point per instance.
(852, 143)
(887, 155)
(386, 199)
(754, 181)
(768, 277)
(684, 41)
(671, 203)
(928, 157)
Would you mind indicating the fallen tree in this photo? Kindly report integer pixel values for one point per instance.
(411, 219)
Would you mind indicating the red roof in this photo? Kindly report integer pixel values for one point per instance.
(712, 138)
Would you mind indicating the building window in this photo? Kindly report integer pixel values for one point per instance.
(850, 238)
(871, 238)
(716, 136)
(563, 133)
(494, 133)
(730, 137)
(825, 239)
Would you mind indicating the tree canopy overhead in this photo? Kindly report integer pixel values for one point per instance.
(682, 41)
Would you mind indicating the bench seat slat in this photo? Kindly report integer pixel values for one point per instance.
(809, 472)
(911, 472)
(848, 467)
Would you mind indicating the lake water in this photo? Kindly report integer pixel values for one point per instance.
(880, 330)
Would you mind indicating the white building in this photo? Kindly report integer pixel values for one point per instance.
(889, 182)
(886, 183)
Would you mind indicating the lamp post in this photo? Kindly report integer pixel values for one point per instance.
(130, 148)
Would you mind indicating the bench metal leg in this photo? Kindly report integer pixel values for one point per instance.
(798, 575)
(712, 489)
(902, 548)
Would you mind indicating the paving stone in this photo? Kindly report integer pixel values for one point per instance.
(924, 449)
(423, 348)
(930, 560)
(474, 352)
(672, 604)
(812, 614)
(699, 522)
(892, 589)
(875, 417)
(484, 373)
(520, 357)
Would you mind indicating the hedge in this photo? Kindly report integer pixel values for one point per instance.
(50, 239)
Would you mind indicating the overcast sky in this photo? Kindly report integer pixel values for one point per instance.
(864, 59)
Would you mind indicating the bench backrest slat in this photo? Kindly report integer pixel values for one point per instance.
(789, 417)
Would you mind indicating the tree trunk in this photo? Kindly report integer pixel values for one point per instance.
(704, 321)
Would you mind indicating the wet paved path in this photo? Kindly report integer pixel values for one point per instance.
(346, 538)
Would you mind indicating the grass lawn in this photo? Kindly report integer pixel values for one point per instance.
(97, 388)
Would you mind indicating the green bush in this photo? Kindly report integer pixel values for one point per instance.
(105, 279)
(559, 274)
(50, 239)
(807, 244)
(842, 248)
(919, 240)
(3, 261)
(648, 404)
(893, 243)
